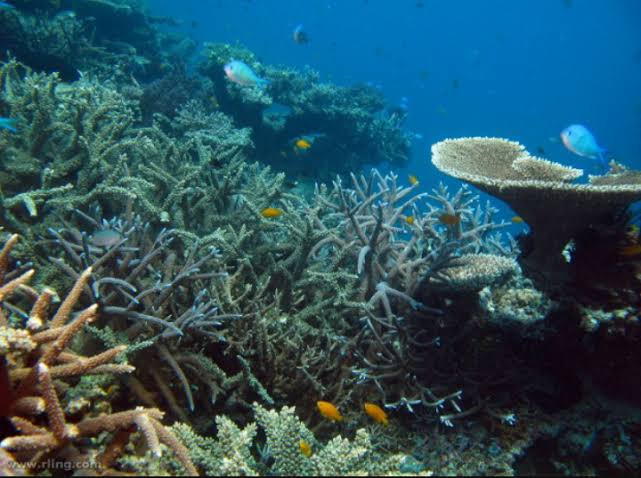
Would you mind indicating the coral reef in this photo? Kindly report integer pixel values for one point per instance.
(352, 123)
(235, 289)
(38, 359)
(539, 191)
(103, 37)
(407, 338)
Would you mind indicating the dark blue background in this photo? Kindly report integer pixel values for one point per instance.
(525, 68)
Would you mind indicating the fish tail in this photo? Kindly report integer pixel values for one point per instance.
(262, 83)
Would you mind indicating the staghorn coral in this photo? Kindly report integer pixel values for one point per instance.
(38, 358)
(71, 147)
(407, 340)
(81, 143)
(540, 192)
(157, 295)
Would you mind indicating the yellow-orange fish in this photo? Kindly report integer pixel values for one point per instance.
(409, 220)
(412, 179)
(305, 448)
(517, 219)
(631, 250)
(376, 412)
(450, 219)
(271, 212)
(303, 144)
(328, 410)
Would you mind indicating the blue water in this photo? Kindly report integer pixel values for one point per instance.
(522, 70)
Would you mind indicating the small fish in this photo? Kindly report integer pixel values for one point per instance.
(65, 14)
(299, 35)
(631, 250)
(303, 144)
(6, 6)
(578, 139)
(105, 238)
(305, 448)
(376, 412)
(412, 179)
(517, 219)
(271, 212)
(450, 219)
(409, 220)
(9, 124)
(328, 410)
(240, 73)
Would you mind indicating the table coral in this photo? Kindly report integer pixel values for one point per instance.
(540, 191)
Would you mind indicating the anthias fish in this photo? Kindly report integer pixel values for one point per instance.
(329, 410)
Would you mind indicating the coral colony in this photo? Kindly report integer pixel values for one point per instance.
(179, 296)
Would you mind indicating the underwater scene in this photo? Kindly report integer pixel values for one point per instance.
(330, 237)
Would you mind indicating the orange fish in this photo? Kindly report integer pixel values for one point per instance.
(409, 220)
(328, 410)
(305, 448)
(517, 220)
(412, 179)
(376, 412)
(450, 219)
(303, 144)
(271, 212)
(631, 250)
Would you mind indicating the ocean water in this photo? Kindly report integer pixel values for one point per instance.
(518, 70)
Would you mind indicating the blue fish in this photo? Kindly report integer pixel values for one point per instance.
(5, 5)
(578, 139)
(241, 73)
(8, 123)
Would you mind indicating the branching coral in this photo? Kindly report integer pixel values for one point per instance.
(157, 294)
(402, 265)
(38, 355)
(71, 146)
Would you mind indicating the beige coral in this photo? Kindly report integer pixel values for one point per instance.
(539, 191)
(473, 272)
(37, 359)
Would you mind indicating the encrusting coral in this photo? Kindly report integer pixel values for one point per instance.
(540, 191)
(37, 357)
